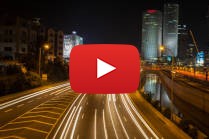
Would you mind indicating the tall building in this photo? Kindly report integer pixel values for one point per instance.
(170, 29)
(69, 42)
(184, 40)
(151, 35)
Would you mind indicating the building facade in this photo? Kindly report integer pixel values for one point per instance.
(69, 42)
(14, 37)
(170, 29)
(20, 38)
(151, 35)
(59, 44)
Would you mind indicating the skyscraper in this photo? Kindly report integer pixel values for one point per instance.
(170, 29)
(151, 35)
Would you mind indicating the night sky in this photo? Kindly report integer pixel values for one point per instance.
(106, 21)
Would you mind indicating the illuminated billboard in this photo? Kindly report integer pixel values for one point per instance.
(69, 42)
(200, 59)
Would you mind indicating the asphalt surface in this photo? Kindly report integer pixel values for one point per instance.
(34, 115)
(103, 117)
(59, 113)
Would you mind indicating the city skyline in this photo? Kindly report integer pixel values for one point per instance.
(108, 22)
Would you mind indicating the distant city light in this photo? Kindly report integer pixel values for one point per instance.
(151, 11)
(200, 59)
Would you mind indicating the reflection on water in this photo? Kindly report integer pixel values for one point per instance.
(155, 89)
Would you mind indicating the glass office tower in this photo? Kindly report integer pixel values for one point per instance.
(151, 35)
(170, 29)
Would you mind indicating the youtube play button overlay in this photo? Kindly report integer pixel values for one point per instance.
(104, 68)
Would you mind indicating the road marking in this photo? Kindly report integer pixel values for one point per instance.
(20, 105)
(35, 121)
(69, 120)
(43, 107)
(121, 122)
(111, 117)
(82, 116)
(75, 123)
(44, 111)
(28, 128)
(36, 116)
(104, 123)
(69, 105)
(8, 110)
(73, 117)
(50, 104)
(95, 124)
(12, 137)
(69, 110)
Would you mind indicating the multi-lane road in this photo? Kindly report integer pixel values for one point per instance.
(103, 117)
(58, 112)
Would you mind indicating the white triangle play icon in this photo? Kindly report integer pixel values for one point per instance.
(103, 68)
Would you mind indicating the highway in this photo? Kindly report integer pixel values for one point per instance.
(57, 112)
(34, 115)
(103, 116)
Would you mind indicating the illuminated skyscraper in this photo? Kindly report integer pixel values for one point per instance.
(151, 35)
(69, 42)
(170, 29)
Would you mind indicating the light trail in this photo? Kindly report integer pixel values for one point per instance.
(104, 123)
(26, 97)
(113, 96)
(75, 123)
(111, 117)
(69, 110)
(133, 118)
(140, 117)
(95, 124)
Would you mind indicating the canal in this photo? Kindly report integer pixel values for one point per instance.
(154, 88)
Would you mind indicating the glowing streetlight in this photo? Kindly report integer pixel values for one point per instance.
(46, 46)
(162, 48)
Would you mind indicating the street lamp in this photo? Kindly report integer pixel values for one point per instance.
(45, 47)
(162, 48)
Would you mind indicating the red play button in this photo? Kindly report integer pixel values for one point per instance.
(104, 68)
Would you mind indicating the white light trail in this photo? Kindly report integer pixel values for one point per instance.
(69, 110)
(113, 97)
(104, 123)
(26, 97)
(140, 117)
(133, 118)
(75, 123)
(111, 117)
(95, 124)
(71, 120)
